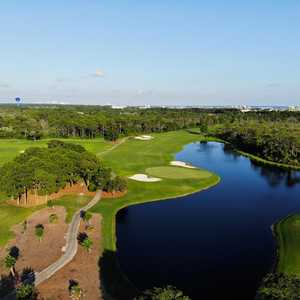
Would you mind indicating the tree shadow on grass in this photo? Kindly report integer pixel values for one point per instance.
(114, 284)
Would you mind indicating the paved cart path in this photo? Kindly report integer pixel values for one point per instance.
(71, 244)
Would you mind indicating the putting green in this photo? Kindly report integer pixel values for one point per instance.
(178, 173)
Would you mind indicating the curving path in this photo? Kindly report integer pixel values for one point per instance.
(122, 141)
(71, 244)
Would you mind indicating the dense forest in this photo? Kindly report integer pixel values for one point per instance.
(273, 135)
(274, 141)
(47, 170)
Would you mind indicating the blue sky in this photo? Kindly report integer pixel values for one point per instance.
(151, 52)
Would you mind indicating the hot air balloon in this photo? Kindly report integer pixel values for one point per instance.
(18, 100)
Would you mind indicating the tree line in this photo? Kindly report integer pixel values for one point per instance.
(44, 171)
(39, 121)
(274, 141)
(273, 135)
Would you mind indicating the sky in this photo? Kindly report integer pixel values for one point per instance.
(169, 52)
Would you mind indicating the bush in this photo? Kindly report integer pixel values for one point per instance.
(117, 184)
(26, 292)
(50, 203)
(53, 218)
(167, 293)
(279, 286)
(39, 231)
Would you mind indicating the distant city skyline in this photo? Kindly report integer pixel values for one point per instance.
(157, 53)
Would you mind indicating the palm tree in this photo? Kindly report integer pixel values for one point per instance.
(28, 275)
(10, 262)
(85, 241)
(26, 291)
(75, 290)
(87, 244)
(166, 293)
(39, 231)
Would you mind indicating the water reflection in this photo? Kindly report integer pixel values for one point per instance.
(276, 176)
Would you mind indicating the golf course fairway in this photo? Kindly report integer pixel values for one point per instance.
(288, 239)
(152, 156)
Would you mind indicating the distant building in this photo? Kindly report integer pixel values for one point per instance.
(118, 107)
(294, 108)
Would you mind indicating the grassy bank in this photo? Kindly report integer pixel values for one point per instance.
(288, 238)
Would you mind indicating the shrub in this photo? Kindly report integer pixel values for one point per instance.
(26, 292)
(39, 231)
(167, 293)
(75, 290)
(85, 241)
(279, 286)
(53, 218)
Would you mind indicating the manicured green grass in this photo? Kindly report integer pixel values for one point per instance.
(172, 172)
(72, 203)
(10, 148)
(10, 216)
(288, 238)
(136, 156)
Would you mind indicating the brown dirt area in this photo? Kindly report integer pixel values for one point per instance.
(83, 269)
(34, 253)
(34, 199)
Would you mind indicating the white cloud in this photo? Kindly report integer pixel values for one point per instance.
(98, 73)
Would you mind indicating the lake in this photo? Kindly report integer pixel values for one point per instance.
(215, 244)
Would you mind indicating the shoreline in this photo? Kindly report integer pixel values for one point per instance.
(112, 218)
(267, 162)
(112, 221)
(109, 222)
(250, 155)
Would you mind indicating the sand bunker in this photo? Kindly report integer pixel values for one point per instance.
(144, 178)
(144, 137)
(179, 163)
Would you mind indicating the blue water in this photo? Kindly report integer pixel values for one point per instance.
(216, 244)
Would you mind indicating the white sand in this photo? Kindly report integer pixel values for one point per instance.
(144, 137)
(179, 163)
(144, 178)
